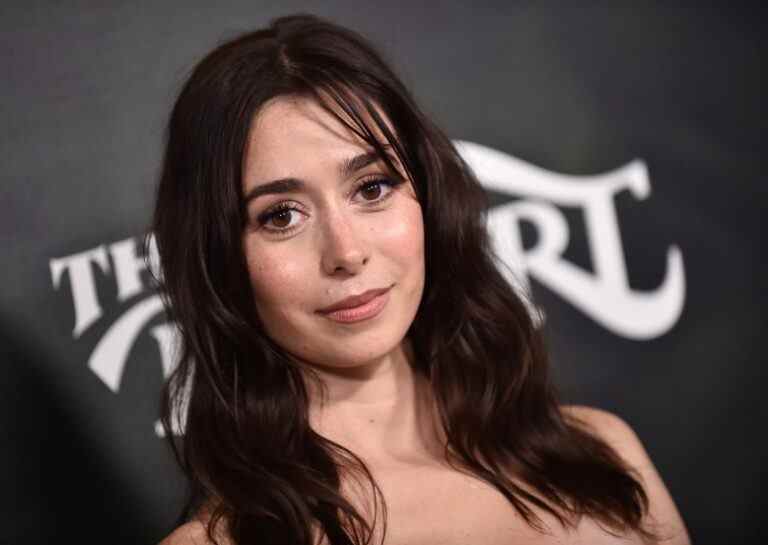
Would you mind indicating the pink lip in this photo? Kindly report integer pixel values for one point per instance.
(358, 307)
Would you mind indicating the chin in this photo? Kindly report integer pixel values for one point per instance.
(358, 353)
(351, 350)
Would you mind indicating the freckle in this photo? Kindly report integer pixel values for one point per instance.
(371, 420)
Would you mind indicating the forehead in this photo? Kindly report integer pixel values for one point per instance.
(291, 132)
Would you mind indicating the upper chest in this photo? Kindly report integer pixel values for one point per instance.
(436, 505)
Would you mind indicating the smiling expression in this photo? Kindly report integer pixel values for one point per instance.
(327, 220)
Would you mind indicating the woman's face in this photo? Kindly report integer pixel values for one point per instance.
(327, 221)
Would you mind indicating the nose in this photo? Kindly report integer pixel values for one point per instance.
(344, 249)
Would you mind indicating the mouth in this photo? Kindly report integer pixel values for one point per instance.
(358, 307)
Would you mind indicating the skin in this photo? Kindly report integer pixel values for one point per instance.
(374, 405)
(346, 239)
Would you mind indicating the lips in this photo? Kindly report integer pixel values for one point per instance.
(354, 301)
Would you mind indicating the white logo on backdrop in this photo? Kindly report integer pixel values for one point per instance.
(110, 355)
(604, 295)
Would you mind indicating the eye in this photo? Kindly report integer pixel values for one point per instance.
(376, 190)
(371, 191)
(281, 218)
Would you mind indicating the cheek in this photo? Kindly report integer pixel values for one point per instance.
(403, 239)
(401, 244)
(277, 280)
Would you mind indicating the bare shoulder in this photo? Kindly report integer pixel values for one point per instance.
(663, 514)
(612, 429)
(191, 533)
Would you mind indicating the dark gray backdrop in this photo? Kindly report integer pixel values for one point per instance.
(575, 88)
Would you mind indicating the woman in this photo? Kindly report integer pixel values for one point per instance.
(354, 368)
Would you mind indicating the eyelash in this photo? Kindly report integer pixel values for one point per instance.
(265, 217)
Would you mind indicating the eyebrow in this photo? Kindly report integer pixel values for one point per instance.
(287, 185)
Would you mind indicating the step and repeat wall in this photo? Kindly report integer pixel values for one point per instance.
(622, 147)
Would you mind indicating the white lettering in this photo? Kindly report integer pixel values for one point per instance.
(604, 295)
(82, 284)
(154, 258)
(108, 358)
(167, 337)
(128, 268)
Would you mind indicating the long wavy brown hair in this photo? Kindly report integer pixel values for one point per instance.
(241, 400)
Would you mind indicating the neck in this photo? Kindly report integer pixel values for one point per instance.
(382, 410)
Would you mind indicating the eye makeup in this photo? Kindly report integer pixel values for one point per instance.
(286, 209)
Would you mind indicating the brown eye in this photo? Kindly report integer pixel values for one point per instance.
(371, 191)
(281, 219)
(376, 191)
